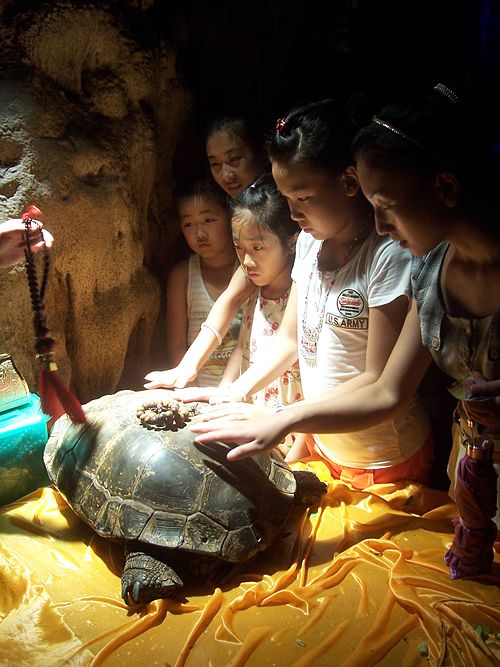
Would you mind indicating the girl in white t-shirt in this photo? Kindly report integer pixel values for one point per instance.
(349, 299)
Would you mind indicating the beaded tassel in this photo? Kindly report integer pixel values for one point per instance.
(55, 398)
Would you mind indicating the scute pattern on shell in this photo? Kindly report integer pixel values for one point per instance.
(159, 487)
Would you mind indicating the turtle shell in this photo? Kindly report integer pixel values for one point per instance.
(157, 486)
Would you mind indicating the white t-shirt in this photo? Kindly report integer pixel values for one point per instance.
(337, 318)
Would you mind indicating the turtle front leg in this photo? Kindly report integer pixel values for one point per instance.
(146, 577)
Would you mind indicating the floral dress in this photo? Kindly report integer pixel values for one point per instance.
(260, 322)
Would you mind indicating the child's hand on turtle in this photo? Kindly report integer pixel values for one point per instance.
(191, 394)
(172, 377)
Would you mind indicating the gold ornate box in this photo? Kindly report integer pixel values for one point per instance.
(14, 391)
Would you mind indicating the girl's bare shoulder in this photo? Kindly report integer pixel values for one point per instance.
(178, 274)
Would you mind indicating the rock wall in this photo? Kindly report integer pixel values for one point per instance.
(91, 111)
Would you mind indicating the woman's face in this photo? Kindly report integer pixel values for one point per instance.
(318, 200)
(407, 206)
(234, 165)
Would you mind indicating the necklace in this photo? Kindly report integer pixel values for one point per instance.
(310, 333)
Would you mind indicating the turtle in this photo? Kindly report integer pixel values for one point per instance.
(135, 475)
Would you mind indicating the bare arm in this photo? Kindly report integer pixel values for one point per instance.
(334, 412)
(233, 366)
(386, 323)
(271, 362)
(220, 317)
(176, 313)
(375, 402)
(279, 355)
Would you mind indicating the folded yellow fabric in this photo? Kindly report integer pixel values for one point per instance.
(359, 582)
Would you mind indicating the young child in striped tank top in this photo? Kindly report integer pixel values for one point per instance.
(195, 283)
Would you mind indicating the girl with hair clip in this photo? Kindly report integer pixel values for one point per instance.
(236, 158)
(344, 314)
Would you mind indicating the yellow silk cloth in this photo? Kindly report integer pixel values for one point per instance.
(359, 582)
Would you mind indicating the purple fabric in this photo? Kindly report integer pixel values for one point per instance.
(471, 552)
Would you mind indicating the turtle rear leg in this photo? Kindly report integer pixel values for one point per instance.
(309, 487)
(146, 576)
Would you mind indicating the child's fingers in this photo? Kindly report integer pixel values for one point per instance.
(159, 379)
(190, 394)
(223, 411)
(156, 382)
(243, 451)
(227, 398)
(152, 376)
(182, 379)
(154, 385)
(246, 438)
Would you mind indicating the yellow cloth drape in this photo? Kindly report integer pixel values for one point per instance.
(359, 582)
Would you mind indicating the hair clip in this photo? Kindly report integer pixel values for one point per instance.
(447, 92)
(406, 137)
(280, 125)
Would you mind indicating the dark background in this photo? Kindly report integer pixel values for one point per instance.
(261, 58)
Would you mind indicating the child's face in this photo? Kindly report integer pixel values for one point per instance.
(261, 253)
(233, 164)
(319, 202)
(407, 207)
(205, 225)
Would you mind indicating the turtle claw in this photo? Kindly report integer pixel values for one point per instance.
(146, 578)
(126, 595)
(136, 591)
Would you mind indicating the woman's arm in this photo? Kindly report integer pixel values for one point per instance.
(335, 411)
(219, 319)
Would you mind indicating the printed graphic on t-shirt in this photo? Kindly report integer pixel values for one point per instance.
(350, 303)
(346, 323)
